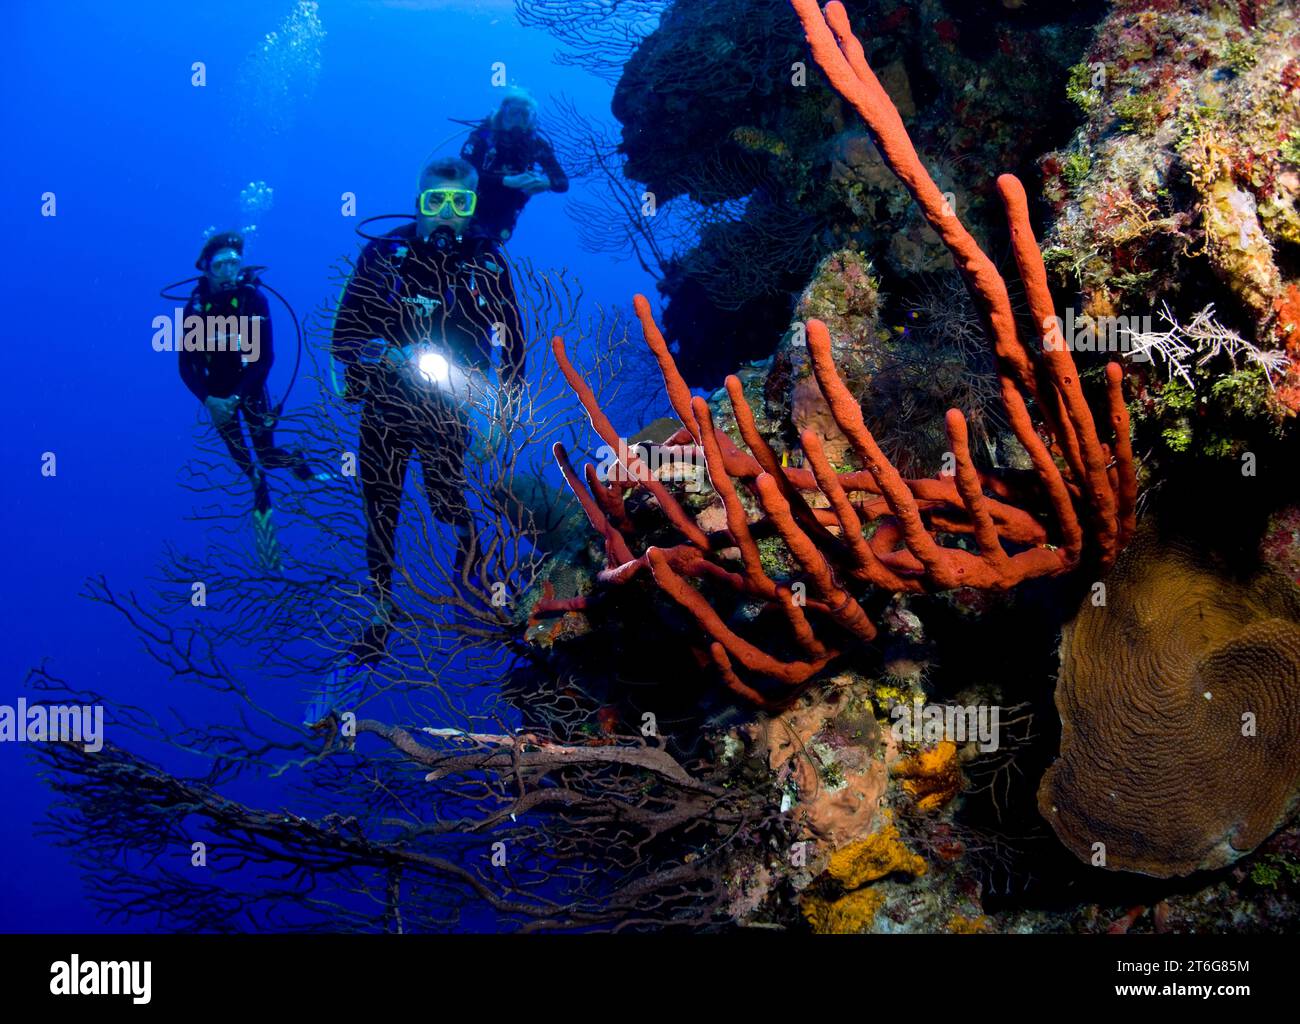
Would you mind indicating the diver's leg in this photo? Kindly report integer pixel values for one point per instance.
(383, 457)
(230, 432)
(442, 465)
(261, 428)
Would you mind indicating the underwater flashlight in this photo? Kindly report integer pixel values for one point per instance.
(433, 367)
(438, 373)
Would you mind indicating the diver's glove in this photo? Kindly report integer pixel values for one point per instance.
(528, 182)
(222, 410)
(341, 690)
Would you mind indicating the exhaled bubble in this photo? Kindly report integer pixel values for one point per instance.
(284, 70)
(256, 197)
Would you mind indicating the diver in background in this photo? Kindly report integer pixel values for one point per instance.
(514, 163)
(421, 313)
(224, 377)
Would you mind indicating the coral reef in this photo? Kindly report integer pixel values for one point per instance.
(778, 192)
(1185, 153)
(816, 524)
(818, 570)
(905, 377)
(903, 548)
(1180, 193)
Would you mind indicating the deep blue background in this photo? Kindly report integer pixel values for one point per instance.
(100, 110)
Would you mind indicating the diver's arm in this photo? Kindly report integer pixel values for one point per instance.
(343, 334)
(356, 323)
(347, 342)
(546, 157)
(193, 376)
(191, 365)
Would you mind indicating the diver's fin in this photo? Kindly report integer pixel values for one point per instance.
(261, 492)
(340, 690)
(268, 545)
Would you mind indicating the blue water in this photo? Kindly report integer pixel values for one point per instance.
(100, 111)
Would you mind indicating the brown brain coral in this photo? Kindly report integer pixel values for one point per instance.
(1180, 714)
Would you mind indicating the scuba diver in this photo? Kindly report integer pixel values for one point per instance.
(229, 374)
(514, 163)
(423, 308)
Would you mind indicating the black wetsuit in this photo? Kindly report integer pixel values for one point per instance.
(498, 154)
(458, 300)
(225, 374)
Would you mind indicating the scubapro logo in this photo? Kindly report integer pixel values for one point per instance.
(424, 306)
(131, 978)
